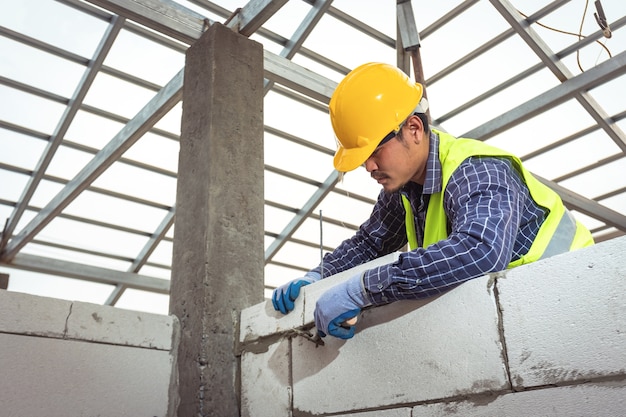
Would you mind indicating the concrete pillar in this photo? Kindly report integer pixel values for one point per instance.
(217, 268)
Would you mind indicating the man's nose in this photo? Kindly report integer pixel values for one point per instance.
(370, 164)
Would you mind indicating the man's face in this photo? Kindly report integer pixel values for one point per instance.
(401, 159)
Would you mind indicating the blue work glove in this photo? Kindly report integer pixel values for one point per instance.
(338, 304)
(284, 296)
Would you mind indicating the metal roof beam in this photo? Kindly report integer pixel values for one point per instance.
(589, 207)
(406, 25)
(522, 75)
(558, 68)
(88, 273)
(186, 25)
(300, 79)
(598, 75)
(179, 22)
(156, 108)
(302, 32)
(164, 16)
(43, 46)
(302, 215)
(248, 19)
(146, 251)
(56, 139)
(358, 25)
(277, 69)
(567, 90)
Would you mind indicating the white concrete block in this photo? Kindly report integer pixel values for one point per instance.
(31, 314)
(262, 320)
(405, 352)
(565, 317)
(396, 412)
(59, 378)
(314, 291)
(107, 324)
(588, 400)
(265, 384)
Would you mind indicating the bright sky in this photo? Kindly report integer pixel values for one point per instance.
(79, 34)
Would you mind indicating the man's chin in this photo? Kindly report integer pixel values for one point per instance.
(392, 188)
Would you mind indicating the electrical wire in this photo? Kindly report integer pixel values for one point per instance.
(579, 35)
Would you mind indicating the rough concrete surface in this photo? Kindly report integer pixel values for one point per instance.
(261, 320)
(565, 317)
(61, 358)
(118, 326)
(545, 339)
(30, 314)
(51, 377)
(275, 382)
(592, 400)
(217, 265)
(405, 352)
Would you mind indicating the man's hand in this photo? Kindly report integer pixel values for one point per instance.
(284, 296)
(336, 310)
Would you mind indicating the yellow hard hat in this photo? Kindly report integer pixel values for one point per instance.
(369, 103)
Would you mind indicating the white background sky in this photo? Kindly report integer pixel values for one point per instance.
(72, 30)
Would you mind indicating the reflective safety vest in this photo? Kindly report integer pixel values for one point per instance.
(559, 232)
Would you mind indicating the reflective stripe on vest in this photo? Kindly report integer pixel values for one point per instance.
(558, 233)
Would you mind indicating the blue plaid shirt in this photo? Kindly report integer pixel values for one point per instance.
(492, 221)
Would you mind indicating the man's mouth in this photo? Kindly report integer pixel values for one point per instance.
(380, 177)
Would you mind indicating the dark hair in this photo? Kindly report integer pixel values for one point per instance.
(424, 118)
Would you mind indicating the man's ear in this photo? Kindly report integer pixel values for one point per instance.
(416, 127)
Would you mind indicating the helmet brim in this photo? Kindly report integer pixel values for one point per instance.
(350, 159)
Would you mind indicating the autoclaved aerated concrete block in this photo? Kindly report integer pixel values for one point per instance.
(107, 324)
(265, 383)
(53, 377)
(405, 352)
(565, 317)
(32, 314)
(562, 321)
(312, 292)
(262, 320)
(396, 412)
(593, 400)
(51, 317)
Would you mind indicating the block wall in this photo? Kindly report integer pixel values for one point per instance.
(545, 339)
(60, 358)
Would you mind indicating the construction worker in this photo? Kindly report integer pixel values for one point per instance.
(464, 207)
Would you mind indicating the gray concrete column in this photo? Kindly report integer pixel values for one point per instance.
(218, 262)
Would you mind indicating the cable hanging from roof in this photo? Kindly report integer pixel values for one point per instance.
(600, 19)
